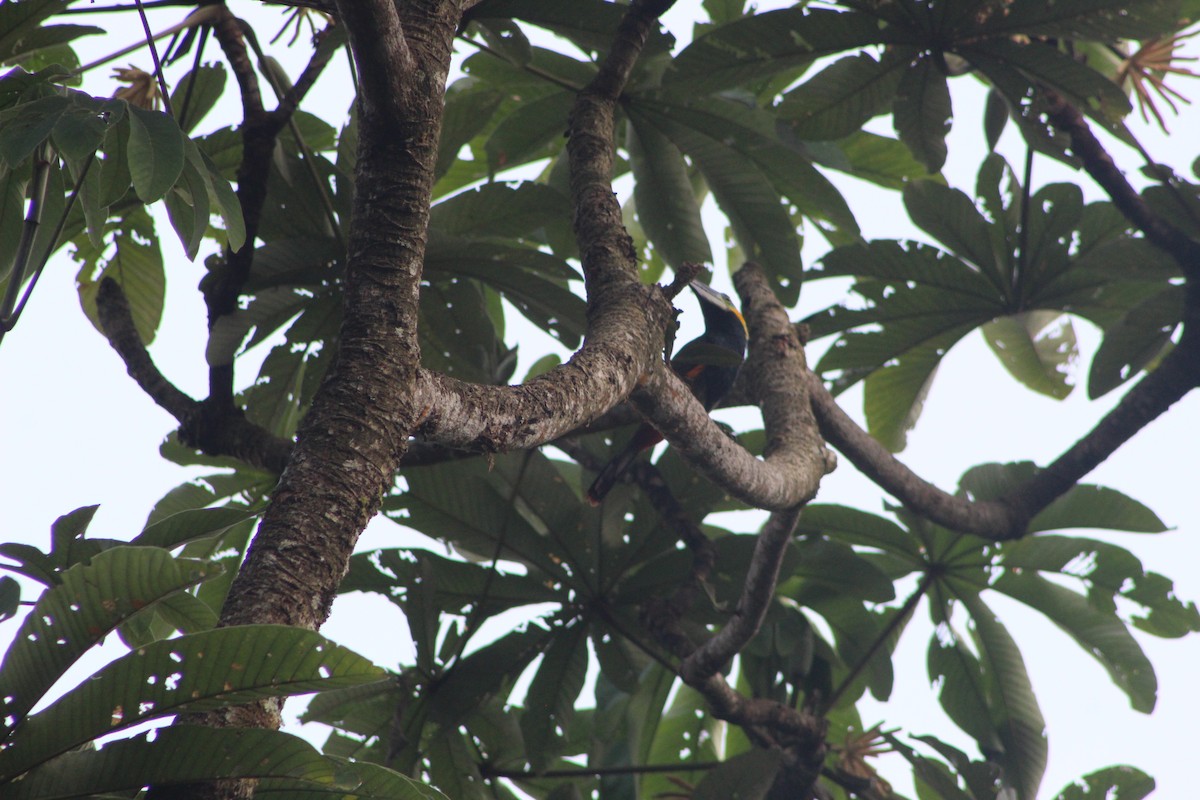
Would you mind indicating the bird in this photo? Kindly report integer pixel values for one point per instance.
(709, 366)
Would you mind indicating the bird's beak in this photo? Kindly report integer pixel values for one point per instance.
(710, 295)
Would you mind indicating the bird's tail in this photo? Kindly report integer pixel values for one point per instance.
(612, 472)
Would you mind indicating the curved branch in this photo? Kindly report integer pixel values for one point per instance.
(626, 320)
(116, 323)
(757, 593)
(1175, 376)
(775, 376)
(217, 429)
(1008, 517)
(1100, 165)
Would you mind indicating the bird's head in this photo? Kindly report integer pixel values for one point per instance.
(717, 307)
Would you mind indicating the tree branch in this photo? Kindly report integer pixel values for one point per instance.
(1100, 165)
(775, 377)
(1008, 517)
(116, 322)
(217, 429)
(757, 594)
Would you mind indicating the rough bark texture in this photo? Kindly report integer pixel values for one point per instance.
(776, 378)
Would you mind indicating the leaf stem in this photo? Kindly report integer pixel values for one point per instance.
(158, 73)
(884, 635)
(633, 769)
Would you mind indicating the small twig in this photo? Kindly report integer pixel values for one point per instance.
(893, 625)
(759, 590)
(200, 15)
(531, 69)
(187, 96)
(38, 188)
(583, 772)
(158, 73)
(1023, 235)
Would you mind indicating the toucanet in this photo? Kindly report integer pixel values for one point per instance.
(708, 365)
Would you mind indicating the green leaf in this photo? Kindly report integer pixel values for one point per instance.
(922, 113)
(531, 280)
(26, 126)
(590, 24)
(550, 701)
(860, 528)
(742, 189)
(841, 98)
(470, 104)
(1088, 506)
(192, 525)
(41, 39)
(667, 205)
(1102, 635)
(535, 130)
(1018, 720)
(10, 597)
(483, 673)
(933, 779)
(1084, 19)
(265, 312)
(894, 395)
(1037, 348)
(186, 754)
(469, 505)
(90, 600)
(962, 690)
(188, 208)
(1137, 340)
(368, 781)
(136, 265)
(196, 672)
(746, 777)
(837, 568)
(456, 584)
(950, 216)
(1093, 93)
(995, 118)
(501, 210)
(1110, 783)
(86, 123)
(1110, 572)
(766, 44)
(156, 153)
(878, 159)
(196, 94)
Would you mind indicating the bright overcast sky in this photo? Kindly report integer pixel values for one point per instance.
(77, 431)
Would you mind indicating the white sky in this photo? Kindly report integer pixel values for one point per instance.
(77, 431)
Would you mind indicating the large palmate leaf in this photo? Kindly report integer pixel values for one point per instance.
(1016, 285)
(456, 584)
(1125, 783)
(922, 113)
(837, 101)
(762, 45)
(666, 202)
(195, 672)
(284, 765)
(1101, 634)
(987, 692)
(550, 701)
(1084, 19)
(89, 601)
(473, 507)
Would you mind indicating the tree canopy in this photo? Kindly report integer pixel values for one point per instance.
(379, 265)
